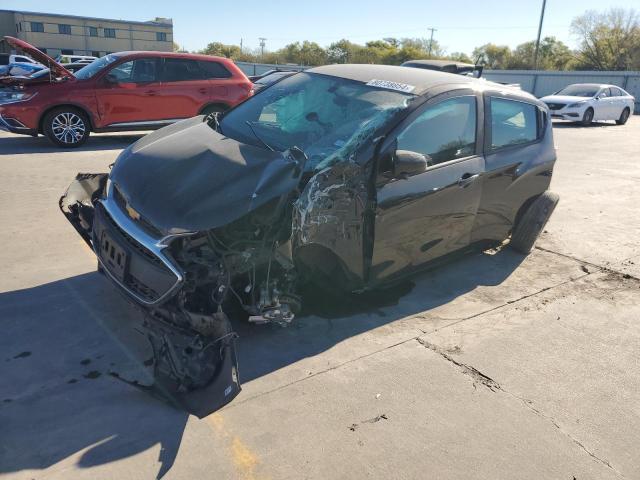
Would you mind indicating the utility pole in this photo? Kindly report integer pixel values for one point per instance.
(240, 45)
(262, 44)
(535, 55)
(431, 40)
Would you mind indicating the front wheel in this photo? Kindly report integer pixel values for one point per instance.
(66, 127)
(532, 222)
(624, 116)
(587, 118)
(211, 109)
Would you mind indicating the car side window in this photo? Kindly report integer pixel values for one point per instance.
(181, 70)
(141, 70)
(444, 131)
(605, 93)
(512, 123)
(616, 92)
(214, 70)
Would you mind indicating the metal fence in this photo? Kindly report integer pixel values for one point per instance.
(541, 83)
(537, 82)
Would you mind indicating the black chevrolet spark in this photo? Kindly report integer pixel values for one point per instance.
(348, 177)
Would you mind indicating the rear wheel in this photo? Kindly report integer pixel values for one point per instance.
(533, 221)
(624, 116)
(587, 118)
(66, 127)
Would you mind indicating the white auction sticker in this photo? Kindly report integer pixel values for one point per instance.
(401, 87)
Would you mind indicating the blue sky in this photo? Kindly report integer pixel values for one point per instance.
(461, 24)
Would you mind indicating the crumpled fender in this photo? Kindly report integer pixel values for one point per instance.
(77, 202)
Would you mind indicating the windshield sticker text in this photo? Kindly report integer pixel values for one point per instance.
(401, 87)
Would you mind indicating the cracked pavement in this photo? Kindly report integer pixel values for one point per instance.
(495, 366)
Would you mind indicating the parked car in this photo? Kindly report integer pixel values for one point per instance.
(348, 177)
(20, 69)
(7, 58)
(270, 79)
(64, 59)
(121, 91)
(448, 66)
(588, 102)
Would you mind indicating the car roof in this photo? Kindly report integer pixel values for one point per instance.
(439, 63)
(193, 56)
(592, 85)
(421, 79)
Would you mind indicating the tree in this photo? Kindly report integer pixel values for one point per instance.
(343, 51)
(221, 50)
(552, 55)
(460, 57)
(493, 56)
(609, 40)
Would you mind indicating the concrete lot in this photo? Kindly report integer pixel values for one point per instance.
(493, 367)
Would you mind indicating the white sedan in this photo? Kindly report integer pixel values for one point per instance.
(588, 102)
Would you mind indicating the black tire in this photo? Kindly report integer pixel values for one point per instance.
(526, 232)
(624, 116)
(66, 127)
(587, 118)
(209, 109)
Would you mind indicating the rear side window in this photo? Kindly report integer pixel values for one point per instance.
(512, 123)
(214, 69)
(616, 92)
(181, 70)
(444, 131)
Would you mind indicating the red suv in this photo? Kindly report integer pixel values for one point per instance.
(120, 91)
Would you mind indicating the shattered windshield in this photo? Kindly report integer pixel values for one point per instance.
(94, 67)
(326, 117)
(579, 91)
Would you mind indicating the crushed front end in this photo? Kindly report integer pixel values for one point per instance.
(191, 337)
(185, 283)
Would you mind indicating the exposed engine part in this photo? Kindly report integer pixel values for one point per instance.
(184, 361)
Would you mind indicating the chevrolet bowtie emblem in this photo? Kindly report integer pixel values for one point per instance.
(132, 213)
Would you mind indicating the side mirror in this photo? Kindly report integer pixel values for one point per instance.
(407, 163)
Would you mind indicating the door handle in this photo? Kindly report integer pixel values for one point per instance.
(202, 91)
(467, 179)
(151, 93)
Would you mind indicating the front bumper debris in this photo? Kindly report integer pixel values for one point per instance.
(195, 362)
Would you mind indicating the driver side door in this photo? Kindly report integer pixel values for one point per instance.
(127, 95)
(425, 215)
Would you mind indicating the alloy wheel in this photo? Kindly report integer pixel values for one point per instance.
(68, 127)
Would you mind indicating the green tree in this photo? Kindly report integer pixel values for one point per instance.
(552, 55)
(460, 57)
(493, 56)
(609, 40)
(221, 50)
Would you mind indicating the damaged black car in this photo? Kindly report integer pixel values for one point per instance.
(347, 177)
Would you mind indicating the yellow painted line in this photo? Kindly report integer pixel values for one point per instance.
(244, 460)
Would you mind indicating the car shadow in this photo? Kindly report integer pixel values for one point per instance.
(24, 145)
(63, 347)
(61, 341)
(569, 124)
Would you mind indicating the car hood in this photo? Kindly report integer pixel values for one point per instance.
(39, 56)
(564, 99)
(188, 177)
